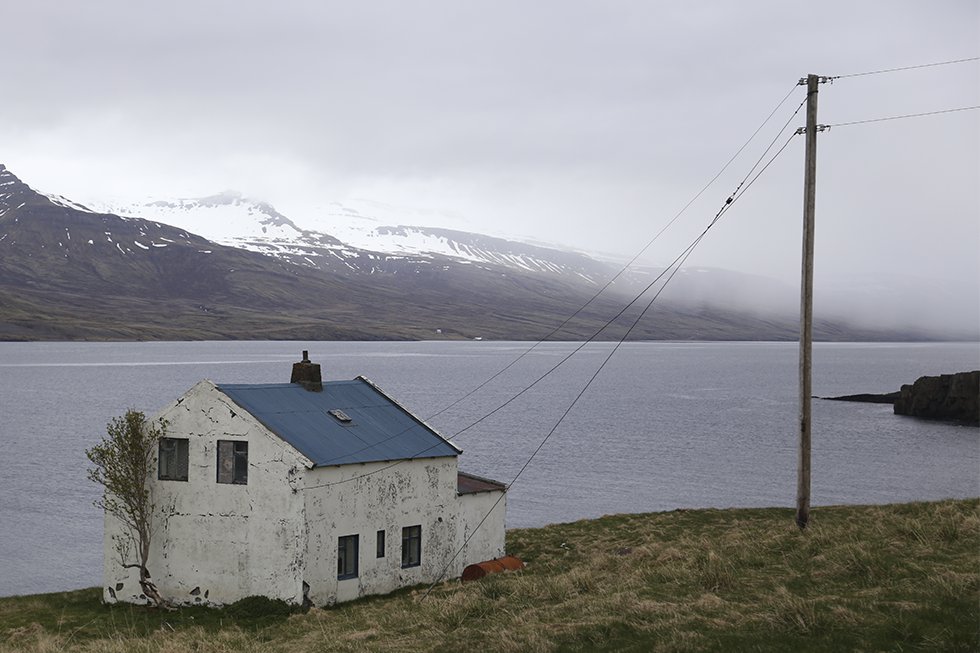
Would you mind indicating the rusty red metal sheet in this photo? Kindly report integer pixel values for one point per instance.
(481, 569)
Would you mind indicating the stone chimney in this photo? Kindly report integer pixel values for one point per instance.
(307, 374)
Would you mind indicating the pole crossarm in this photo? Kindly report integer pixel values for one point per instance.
(819, 128)
(821, 79)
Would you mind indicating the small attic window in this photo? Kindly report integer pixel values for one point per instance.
(340, 416)
(233, 462)
(173, 458)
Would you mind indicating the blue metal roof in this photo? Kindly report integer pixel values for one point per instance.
(379, 428)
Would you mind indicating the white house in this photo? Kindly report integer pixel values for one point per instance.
(304, 491)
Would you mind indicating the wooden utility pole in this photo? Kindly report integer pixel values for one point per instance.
(806, 300)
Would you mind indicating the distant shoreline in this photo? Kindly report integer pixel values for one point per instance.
(210, 338)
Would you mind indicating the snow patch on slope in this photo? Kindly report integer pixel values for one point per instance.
(224, 218)
(354, 236)
(64, 202)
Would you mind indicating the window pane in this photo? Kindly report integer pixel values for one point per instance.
(347, 557)
(182, 458)
(232, 462)
(226, 462)
(411, 546)
(241, 462)
(172, 459)
(381, 544)
(166, 458)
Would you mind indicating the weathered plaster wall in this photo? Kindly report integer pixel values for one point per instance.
(385, 497)
(487, 542)
(363, 499)
(118, 583)
(215, 542)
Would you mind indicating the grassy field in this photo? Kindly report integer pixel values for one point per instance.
(866, 578)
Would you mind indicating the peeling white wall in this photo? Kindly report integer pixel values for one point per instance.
(216, 543)
(119, 583)
(363, 499)
(487, 542)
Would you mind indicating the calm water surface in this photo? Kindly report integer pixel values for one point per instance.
(665, 425)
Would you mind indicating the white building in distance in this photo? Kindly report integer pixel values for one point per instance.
(305, 492)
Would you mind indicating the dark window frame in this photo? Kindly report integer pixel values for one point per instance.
(235, 451)
(411, 546)
(176, 451)
(380, 545)
(347, 556)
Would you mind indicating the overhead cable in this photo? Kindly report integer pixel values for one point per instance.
(908, 115)
(739, 190)
(628, 264)
(895, 70)
(728, 202)
(622, 271)
(676, 265)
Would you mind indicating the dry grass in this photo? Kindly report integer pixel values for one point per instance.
(904, 577)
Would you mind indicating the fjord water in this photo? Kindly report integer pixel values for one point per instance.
(664, 426)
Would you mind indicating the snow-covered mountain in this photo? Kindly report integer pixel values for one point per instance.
(348, 238)
(228, 267)
(369, 238)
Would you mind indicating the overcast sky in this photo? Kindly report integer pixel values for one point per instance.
(588, 124)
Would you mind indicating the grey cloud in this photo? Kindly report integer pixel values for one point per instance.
(586, 123)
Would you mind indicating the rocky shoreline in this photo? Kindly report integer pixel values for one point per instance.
(949, 397)
(886, 398)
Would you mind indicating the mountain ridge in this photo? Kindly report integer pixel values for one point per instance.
(69, 271)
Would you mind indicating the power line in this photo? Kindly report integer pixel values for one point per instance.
(728, 202)
(895, 70)
(645, 247)
(679, 262)
(740, 189)
(622, 271)
(908, 115)
(676, 265)
(629, 263)
(513, 398)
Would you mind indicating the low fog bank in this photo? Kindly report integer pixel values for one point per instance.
(924, 308)
(940, 309)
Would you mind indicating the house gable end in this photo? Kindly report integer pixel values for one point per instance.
(207, 397)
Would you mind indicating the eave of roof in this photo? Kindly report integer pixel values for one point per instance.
(471, 484)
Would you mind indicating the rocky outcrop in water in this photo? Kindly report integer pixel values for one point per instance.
(886, 398)
(948, 396)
